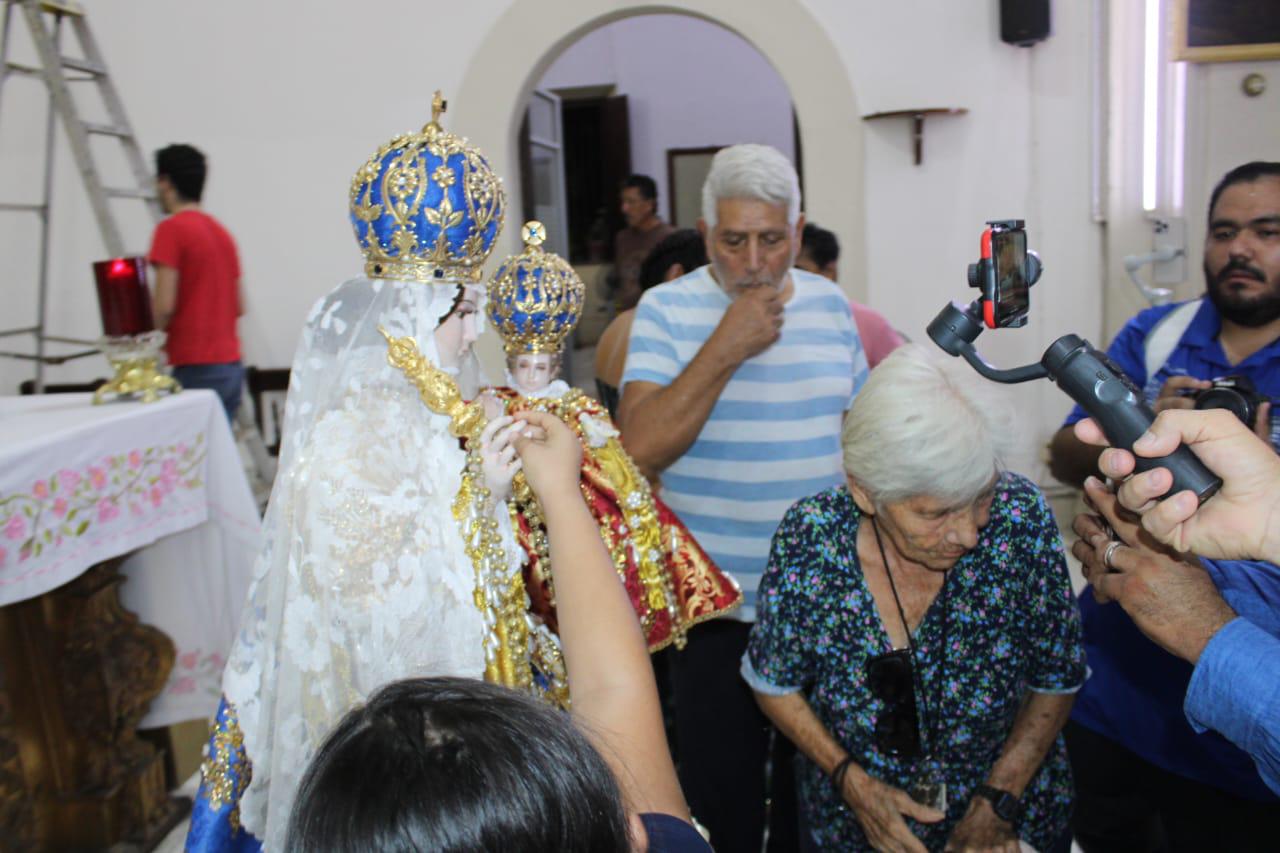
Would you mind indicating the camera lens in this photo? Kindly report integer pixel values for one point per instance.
(1233, 401)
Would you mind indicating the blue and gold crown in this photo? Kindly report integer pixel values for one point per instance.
(535, 297)
(427, 206)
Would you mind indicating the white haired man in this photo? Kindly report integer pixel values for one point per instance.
(738, 375)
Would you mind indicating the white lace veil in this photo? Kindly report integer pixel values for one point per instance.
(362, 578)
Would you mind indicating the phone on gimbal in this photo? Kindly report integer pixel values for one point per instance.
(1005, 273)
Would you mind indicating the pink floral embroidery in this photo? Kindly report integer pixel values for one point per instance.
(66, 504)
(197, 670)
(107, 510)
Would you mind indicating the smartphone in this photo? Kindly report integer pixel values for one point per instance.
(1005, 288)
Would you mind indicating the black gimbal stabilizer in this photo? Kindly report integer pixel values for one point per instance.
(1088, 377)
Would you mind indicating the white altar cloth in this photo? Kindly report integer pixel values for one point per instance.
(80, 484)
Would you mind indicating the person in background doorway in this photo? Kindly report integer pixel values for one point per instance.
(679, 252)
(645, 229)
(197, 281)
(820, 253)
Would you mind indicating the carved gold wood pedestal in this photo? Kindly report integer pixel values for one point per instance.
(77, 673)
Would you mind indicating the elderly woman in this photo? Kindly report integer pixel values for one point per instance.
(917, 638)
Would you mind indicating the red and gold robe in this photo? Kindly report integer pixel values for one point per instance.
(672, 583)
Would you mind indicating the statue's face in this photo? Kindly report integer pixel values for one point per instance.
(534, 372)
(459, 330)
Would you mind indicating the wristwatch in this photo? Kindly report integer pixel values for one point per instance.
(1006, 806)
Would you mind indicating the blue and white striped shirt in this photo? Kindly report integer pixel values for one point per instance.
(774, 434)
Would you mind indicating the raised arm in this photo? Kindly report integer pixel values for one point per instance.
(610, 677)
(660, 422)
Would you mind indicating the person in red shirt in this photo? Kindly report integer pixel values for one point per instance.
(820, 253)
(197, 281)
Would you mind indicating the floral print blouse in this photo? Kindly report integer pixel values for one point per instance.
(1012, 626)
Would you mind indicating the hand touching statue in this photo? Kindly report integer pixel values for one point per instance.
(551, 454)
(498, 455)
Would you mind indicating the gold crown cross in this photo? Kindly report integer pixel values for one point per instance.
(533, 233)
(438, 107)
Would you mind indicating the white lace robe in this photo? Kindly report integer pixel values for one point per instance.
(363, 577)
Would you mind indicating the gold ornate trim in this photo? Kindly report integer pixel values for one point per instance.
(436, 388)
(425, 271)
(224, 784)
(513, 642)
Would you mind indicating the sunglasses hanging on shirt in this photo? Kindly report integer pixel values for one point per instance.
(892, 679)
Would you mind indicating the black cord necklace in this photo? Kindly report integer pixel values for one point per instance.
(917, 675)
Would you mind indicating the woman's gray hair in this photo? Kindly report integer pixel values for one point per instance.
(757, 172)
(925, 425)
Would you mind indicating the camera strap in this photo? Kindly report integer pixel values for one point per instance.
(1165, 336)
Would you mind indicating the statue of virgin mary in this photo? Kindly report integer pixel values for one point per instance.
(387, 554)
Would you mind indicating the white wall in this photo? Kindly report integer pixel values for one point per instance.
(1022, 151)
(288, 98)
(689, 84)
(1223, 129)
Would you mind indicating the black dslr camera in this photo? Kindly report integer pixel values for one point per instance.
(1236, 394)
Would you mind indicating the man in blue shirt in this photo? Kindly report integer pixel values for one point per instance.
(1224, 618)
(1147, 778)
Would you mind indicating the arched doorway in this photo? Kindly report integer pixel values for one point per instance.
(655, 96)
(531, 34)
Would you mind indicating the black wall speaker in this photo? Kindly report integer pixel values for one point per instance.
(1024, 22)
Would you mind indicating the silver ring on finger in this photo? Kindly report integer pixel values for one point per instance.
(1109, 553)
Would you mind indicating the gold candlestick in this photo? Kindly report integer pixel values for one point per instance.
(136, 362)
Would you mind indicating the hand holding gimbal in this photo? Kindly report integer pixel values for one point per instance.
(1005, 272)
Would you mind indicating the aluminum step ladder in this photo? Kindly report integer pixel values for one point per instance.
(46, 20)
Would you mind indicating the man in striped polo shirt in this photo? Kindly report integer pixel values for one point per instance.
(737, 379)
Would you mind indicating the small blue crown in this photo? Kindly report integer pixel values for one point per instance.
(535, 297)
(427, 206)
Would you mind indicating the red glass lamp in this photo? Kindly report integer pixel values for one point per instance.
(131, 341)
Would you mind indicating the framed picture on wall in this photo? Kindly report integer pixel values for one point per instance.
(687, 170)
(1226, 30)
